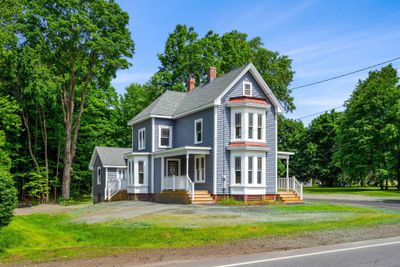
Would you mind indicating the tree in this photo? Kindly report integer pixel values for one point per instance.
(322, 134)
(83, 43)
(368, 135)
(185, 54)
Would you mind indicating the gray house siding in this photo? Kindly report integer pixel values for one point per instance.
(135, 128)
(164, 122)
(157, 175)
(98, 190)
(223, 137)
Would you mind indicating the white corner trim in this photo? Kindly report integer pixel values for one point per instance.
(276, 152)
(152, 135)
(215, 151)
(195, 133)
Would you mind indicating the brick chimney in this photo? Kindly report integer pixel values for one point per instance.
(191, 83)
(212, 73)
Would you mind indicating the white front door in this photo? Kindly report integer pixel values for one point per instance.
(173, 167)
(200, 169)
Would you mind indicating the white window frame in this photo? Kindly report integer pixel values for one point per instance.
(244, 156)
(250, 115)
(245, 111)
(136, 171)
(202, 171)
(98, 175)
(244, 88)
(142, 139)
(195, 131)
(160, 128)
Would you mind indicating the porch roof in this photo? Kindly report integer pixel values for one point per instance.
(198, 150)
(284, 154)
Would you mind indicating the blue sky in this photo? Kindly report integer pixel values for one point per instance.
(324, 38)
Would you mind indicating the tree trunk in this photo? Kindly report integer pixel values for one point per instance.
(387, 184)
(66, 183)
(43, 125)
(28, 133)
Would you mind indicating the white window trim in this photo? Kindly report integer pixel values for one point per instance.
(195, 134)
(179, 165)
(196, 179)
(159, 136)
(98, 175)
(244, 169)
(251, 88)
(244, 111)
(142, 145)
(136, 172)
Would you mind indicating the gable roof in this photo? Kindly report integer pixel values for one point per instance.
(174, 104)
(109, 156)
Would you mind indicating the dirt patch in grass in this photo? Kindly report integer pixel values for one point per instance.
(241, 247)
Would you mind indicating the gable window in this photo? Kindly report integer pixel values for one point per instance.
(238, 170)
(238, 125)
(98, 175)
(250, 170)
(259, 170)
(200, 169)
(198, 131)
(141, 172)
(247, 89)
(251, 126)
(165, 139)
(259, 126)
(142, 139)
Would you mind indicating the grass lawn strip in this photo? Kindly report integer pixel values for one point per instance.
(361, 191)
(42, 237)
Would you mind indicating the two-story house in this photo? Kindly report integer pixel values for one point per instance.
(197, 146)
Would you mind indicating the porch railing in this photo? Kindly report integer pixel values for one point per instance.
(291, 184)
(178, 183)
(115, 187)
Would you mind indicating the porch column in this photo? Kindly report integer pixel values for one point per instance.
(162, 174)
(187, 164)
(287, 174)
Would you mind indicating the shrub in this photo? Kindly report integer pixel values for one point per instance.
(8, 198)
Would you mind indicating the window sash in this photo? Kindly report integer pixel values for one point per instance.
(141, 172)
(98, 175)
(238, 125)
(251, 122)
(259, 170)
(259, 126)
(247, 89)
(238, 170)
(250, 170)
(142, 139)
(198, 131)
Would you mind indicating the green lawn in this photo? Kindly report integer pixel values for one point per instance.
(363, 191)
(41, 237)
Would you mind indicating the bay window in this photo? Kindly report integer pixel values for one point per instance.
(259, 126)
(259, 170)
(238, 170)
(250, 123)
(238, 125)
(141, 172)
(250, 170)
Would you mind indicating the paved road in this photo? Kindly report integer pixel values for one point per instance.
(379, 202)
(380, 252)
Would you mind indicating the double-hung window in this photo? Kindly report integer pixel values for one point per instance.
(200, 168)
(251, 126)
(259, 126)
(142, 139)
(98, 175)
(198, 131)
(165, 139)
(238, 170)
(247, 89)
(250, 170)
(259, 170)
(238, 125)
(141, 172)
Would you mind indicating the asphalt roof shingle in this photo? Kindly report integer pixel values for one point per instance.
(172, 103)
(112, 156)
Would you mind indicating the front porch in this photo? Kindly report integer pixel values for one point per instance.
(184, 176)
(289, 189)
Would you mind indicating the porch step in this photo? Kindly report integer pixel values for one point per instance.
(202, 197)
(289, 197)
(119, 196)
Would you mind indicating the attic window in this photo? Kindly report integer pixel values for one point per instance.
(247, 89)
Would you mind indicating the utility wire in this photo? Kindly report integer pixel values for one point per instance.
(317, 113)
(344, 75)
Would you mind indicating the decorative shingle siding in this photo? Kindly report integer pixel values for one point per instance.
(144, 124)
(223, 137)
(164, 122)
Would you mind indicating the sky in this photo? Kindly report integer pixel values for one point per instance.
(324, 39)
